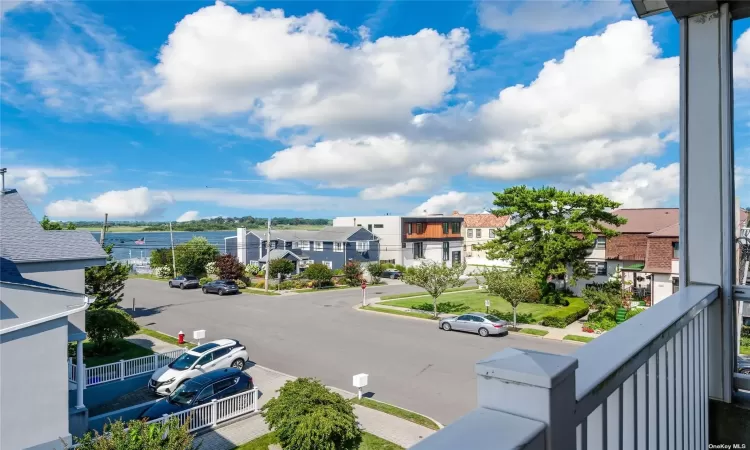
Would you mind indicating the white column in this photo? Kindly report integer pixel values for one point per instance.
(80, 375)
(707, 179)
(242, 245)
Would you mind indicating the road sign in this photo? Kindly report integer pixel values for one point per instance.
(364, 284)
(487, 303)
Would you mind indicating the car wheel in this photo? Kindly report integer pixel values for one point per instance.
(238, 363)
(483, 332)
(446, 326)
(170, 285)
(205, 291)
(182, 285)
(221, 291)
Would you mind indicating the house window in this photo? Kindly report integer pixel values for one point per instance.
(601, 242)
(446, 251)
(409, 228)
(470, 233)
(479, 233)
(420, 228)
(273, 245)
(492, 233)
(456, 227)
(304, 245)
(369, 227)
(328, 264)
(378, 225)
(675, 250)
(318, 246)
(363, 246)
(445, 227)
(418, 250)
(675, 283)
(597, 268)
(403, 245)
(310, 261)
(338, 246)
(295, 244)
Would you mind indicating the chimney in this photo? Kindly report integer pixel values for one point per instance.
(2, 174)
(242, 245)
(455, 213)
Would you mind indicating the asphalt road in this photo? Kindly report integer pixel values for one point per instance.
(411, 363)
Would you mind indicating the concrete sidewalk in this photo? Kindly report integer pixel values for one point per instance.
(269, 381)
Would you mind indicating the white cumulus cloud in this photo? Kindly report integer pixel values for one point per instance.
(130, 204)
(641, 186)
(463, 202)
(33, 183)
(187, 216)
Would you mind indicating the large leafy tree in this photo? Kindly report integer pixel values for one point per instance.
(551, 230)
(192, 256)
(308, 416)
(280, 266)
(106, 283)
(511, 287)
(229, 267)
(161, 257)
(435, 278)
(50, 225)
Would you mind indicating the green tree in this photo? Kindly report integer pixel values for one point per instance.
(229, 267)
(352, 273)
(319, 273)
(70, 226)
(106, 283)
(375, 270)
(50, 225)
(161, 257)
(511, 287)
(551, 230)
(192, 256)
(308, 416)
(138, 435)
(280, 266)
(435, 278)
(107, 325)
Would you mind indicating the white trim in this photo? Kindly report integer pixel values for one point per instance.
(31, 323)
(328, 264)
(305, 247)
(315, 246)
(341, 246)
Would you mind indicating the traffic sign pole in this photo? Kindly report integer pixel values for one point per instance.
(364, 293)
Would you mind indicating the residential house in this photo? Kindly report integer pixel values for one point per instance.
(479, 229)
(663, 262)
(42, 309)
(433, 237)
(332, 246)
(386, 228)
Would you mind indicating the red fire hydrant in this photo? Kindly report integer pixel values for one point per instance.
(181, 338)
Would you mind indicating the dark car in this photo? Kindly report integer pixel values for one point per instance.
(213, 385)
(221, 287)
(391, 273)
(184, 282)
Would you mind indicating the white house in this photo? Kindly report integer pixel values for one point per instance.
(386, 228)
(479, 229)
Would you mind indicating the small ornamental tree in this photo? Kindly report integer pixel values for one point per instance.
(319, 273)
(280, 266)
(352, 273)
(308, 416)
(106, 283)
(435, 278)
(138, 435)
(511, 287)
(229, 267)
(104, 326)
(376, 271)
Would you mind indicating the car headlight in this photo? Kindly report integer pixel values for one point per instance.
(169, 381)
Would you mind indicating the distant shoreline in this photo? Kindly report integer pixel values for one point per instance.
(141, 230)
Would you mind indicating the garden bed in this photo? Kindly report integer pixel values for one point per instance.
(398, 312)
(575, 337)
(369, 442)
(121, 349)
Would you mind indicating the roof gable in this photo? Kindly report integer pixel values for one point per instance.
(646, 220)
(485, 220)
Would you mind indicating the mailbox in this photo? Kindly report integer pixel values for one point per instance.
(360, 380)
(199, 334)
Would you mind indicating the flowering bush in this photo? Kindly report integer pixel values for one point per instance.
(212, 269)
(252, 269)
(162, 272)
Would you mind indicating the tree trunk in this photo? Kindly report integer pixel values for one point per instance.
(514, 318)
(434, 306)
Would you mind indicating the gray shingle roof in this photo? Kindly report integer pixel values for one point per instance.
(279, 253)
(22, 239)
(329, 233)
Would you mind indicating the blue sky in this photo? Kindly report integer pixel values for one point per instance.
(161, 110)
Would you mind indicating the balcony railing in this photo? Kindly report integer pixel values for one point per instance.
(643, 384)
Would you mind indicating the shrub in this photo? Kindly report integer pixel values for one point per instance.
(252, 270)
(260, 285)
(162, 272)
(352, 273)
(400, 268)
(338, 272)
(564, 316)
(212, 268)
(240, 284)
(508, 316)
(229, 267)
(602, 298)
(745, 332)
(280, 266)
(443, 307)
(160, 257)
(285, 285)
(308, 416)
(192, 256)
(139, 435)
(633, 312)
(319, 273)
(375, 269)
(107, 325)
(204, 280)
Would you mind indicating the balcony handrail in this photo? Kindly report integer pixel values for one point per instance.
(601, 371)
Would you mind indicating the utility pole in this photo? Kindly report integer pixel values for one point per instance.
(268, 253)
(104, 230)
(171, 241)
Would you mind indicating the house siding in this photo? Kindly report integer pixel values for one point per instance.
(660, 254)
(255, 248)
(629, 246)
(230, 247)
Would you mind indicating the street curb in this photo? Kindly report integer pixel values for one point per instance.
(440, 425)
(359, 308)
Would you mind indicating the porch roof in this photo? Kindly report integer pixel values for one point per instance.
(634, 267)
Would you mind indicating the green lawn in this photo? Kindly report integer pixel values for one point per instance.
(255, 291)
(397, 312)
(147, 276)
(745, 345)
(323, 289)
(575, 337)
(475, 301)
(369, 442)
(533, 331)
(420, 294)
(122, 350)
(398, 412)
(164, 337)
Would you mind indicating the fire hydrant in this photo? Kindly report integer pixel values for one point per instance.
(181, 338)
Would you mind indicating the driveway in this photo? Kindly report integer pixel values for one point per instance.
(411, 362)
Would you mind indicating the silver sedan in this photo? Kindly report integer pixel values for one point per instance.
(480, 323)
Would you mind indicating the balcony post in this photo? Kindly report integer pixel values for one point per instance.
(707, 204)
(534, 385)
(81, 378)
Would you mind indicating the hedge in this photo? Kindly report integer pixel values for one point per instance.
(508, 316)
(566, 315)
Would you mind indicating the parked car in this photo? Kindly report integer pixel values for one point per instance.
(391, 273)
(213, 385)
(184, 282)
(220, 354)
(480, 323)
(221, 287)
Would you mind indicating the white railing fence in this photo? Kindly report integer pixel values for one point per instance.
(123, 369)
(643, 384)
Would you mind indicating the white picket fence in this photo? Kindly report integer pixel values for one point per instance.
(123, 369)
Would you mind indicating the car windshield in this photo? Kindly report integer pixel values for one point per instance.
(183, 395)
(183, 362)
(493, 318)
(191, 278)
(230, 282)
